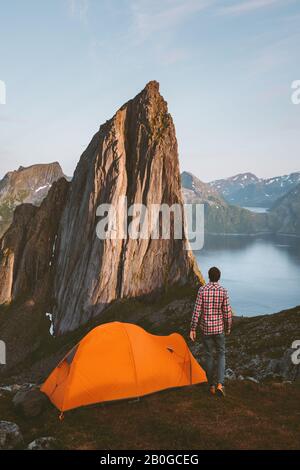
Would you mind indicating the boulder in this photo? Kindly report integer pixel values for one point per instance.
(11, 389)
(252, 379)
(43, 443)
(230, 374)
(284, 367)
(10, 435)
(30, 403)
(14, 388)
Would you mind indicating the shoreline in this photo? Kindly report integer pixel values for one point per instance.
(292, 235)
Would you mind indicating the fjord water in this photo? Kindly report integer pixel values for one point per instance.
(262, 273)
(257, 210)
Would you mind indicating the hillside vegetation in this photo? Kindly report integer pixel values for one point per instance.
(250, 417)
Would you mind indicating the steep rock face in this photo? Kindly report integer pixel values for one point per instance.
(11, 248)
(26, 249)
(25, 185)
(134, 154)
(27, 266)
(195, 190)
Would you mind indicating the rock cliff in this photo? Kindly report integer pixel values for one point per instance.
(28, 247)
(27, 266)
(25, 185)
(134, 154)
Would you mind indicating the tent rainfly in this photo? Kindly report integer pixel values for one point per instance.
(120, 360)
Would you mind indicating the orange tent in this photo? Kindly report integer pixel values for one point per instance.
(121, 360)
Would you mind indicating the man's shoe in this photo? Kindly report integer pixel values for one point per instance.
(212, 390)
(220, 390)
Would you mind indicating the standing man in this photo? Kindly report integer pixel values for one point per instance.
(212, 305)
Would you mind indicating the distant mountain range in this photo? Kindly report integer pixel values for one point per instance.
(286, 212)
(220, 217)
(26, 185)
(247, 190)
(31, 185)
(224, 218)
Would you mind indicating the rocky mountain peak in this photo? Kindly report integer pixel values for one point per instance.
(246, 189)
(195, 190)
(26, 185)
(150, 92)
(188, 180)
(244, 177)
(152, 85)
(134, 155)
(44, 170)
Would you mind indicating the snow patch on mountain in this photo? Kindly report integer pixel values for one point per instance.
(43, 187)
(247, 188)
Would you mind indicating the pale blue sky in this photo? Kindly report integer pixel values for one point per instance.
(224, 66)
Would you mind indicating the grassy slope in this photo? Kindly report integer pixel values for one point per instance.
(251, 417)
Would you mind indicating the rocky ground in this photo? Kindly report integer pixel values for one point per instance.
(261, 410)
(252, 416)
(258, 347)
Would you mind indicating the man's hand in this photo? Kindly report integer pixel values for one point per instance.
(227, 333)
(193, 335)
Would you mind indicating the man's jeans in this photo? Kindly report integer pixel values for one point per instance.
(212, 342)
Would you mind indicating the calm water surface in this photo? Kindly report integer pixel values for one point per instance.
(262, 274)
(257, 210)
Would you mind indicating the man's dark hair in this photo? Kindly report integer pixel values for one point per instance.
(214, 274)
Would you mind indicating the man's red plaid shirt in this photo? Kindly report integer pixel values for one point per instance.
(213, 308)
